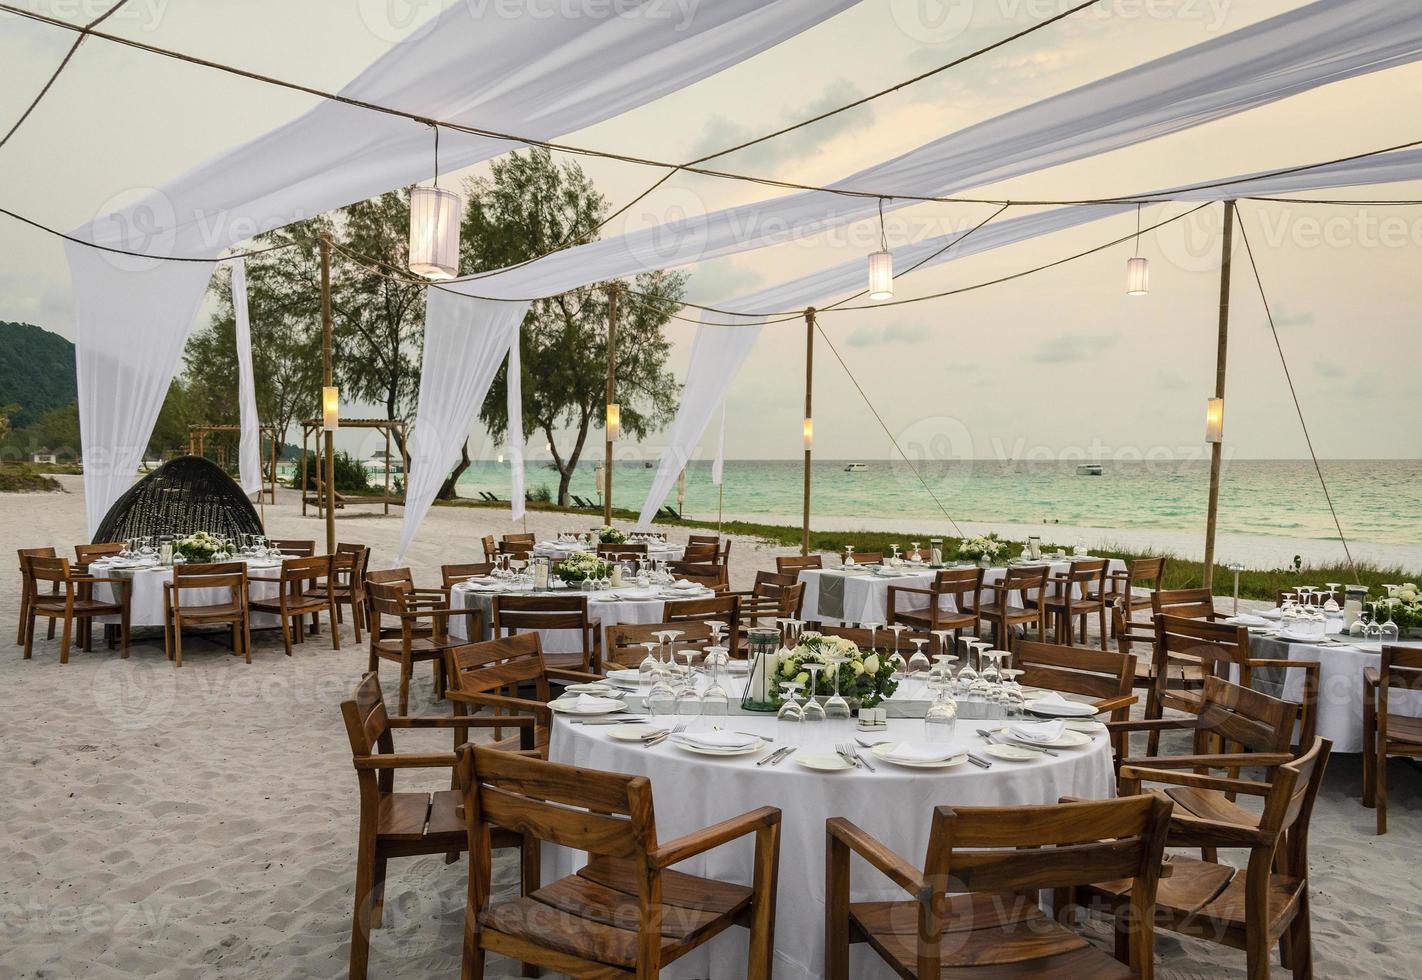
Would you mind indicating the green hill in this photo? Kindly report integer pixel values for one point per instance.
(36, 371)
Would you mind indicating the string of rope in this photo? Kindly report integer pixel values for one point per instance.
(883, 425)
(145, 255)
(63, 63)
(1293, 393)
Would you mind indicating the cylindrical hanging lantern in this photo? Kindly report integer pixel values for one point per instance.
(434, 232)
(614, 420)
(331, 408)
(881, 275)
(1137, 276)
(1214, 420)
(809, 433)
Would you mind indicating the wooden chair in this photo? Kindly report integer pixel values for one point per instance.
(406, 824)
(1079, 593)
(706, 554)
(774, 596)
(702, 573)
(714, 540)
(1001, 615)
(616, 552)
(496, 674)
(518, 613)
(305, 589)
(452, 574)
(491, 547)
(724, 608)
(234, 610)
(1184, 603)
(409, 627)
(962, 585)
(624, 640)
(1384, 732)
(518, 545)
(863, 557)
(1148, 573)
(795, 564)
(27, 589)
(349, 564)
(626, 913)
(70, 599)
(86, 553)
(1250, 908)
(298, 547)
(1105, 677)
(973, 910)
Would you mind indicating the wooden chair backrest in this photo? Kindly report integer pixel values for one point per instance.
(85, 553)
(863, 557)
(711, 576)
(792, 601)
(601, 813)
(1187, 603)
(540, 612)
(1218, 646)
(519, 537)
(1087, 572)
(1288, 808)
(726, 608)
(26, 579)
(305, 571)
(301, 548)
(451, 574)
(959, 582)
(1243, 719)
(792, 564)
(624, 641)
(880, 640)
(491, 547)
(385, 599)
(490, 666)
(1075, 670)
(230, 575)
(1024, 581)
(46, 568)
(701, 553)
(350, 561)
(714, 540)
(771, 584)
(1399, 667)
(368, 729)
(634, 549)
(1142, 571)
(390, 576)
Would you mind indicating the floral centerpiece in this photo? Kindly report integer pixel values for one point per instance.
(610, 535)
(1403, 606)
(582, 566)
(983, 548)
(200, 547)
(867, 679)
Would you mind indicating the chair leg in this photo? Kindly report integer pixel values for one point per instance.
(123, 633)
(1370, 787)
(836, 910)
(64, 643)
(1380, 784)
(334, 611)
(356, 618)
(1101, 625)
(1301, 941)
(24, 616)
(286, 634)
(405, 666)
(361, 919)
(178, 641)
(377, 894)
(29, 627)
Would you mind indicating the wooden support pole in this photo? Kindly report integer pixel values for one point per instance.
(611, 399)
(330, 491)
(1221, 360)
(808, 423)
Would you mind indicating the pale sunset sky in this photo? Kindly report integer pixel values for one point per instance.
(1058, 361)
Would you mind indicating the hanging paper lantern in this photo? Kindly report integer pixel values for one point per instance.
(881, 275)
(1137, 276)
(434, 232)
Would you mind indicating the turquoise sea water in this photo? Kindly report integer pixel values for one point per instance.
(1377, 500)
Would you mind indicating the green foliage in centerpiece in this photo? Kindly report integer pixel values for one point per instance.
(984, 547)
(610, 535)
(869, 679)
(1403, 606)
(581, 566)
(198, 548)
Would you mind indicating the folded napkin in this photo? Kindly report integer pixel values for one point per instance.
(1248, 619)
(1036, 734)
(921, 752)
(718, 740)
(1053, 701)
(1272, 613)
(591, 702)
(684, 584)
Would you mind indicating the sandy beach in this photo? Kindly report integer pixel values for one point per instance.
(201, 822)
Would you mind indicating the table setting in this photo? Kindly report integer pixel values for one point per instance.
(570, 542)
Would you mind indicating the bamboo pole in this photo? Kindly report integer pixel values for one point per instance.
(609, 400)
(330, 492)
(1221, 360)
(809, 416)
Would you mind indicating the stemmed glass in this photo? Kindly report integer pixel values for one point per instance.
(918, 662)
(894, 550)
(941, 717)
(814, 711)
(662, 698)
(790, 715)
(897, 629)
(714, 699)
(836, 708)
(1388, 633)
(967, 674)
(914, 553)
(647, 669)
(672, 637)
(848, 555)
(1375, 624)
(873, 629)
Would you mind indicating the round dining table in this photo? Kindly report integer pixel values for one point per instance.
(147, 578)
(893, 803)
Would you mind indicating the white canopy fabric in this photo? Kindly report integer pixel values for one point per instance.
(538, 77)
(710, 360)
(249, 446)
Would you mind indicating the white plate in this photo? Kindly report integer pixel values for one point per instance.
(822, 761)
(884, 751)
(1084, 725)
(602, 690)
(1011, 753)
(1068, 740)
(632, 733)
(706, 750)
(625, 676)
(1069, 710)
(636, 595)
(567, 706)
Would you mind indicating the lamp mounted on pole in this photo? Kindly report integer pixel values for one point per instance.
(809, 427)
(613, 422)
(329, 396)
(1214, 416)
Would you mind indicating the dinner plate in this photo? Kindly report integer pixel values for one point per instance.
(625, 676)
(1012, 753)
(1068, 740)
(637, 595)
(1072, 709)
(1086, 726)
(603, 690)
(884, 751)
(822, 761)
(633, 733)
(708, 750)
(568, 706)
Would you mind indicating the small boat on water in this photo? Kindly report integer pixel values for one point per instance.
(1089, 469)
(856, 467)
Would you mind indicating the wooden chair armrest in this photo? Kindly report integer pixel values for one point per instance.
(461, 721)
(1272, 662)
(1190, 831)
(440, 760)
(90, 580)
(895, 868)
(1226, 760)
(1371, 677)
(699, 841)
(910, 588)
(575, 676)
(537, 709)
(1153, 725)
(1111, 704)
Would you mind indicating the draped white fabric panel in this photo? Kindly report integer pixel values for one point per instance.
(1323, 42)
(717, 353)
(249, 447)
(536, 76)
(848, 278)
(465, 341)
(515, 428)
(718, 465)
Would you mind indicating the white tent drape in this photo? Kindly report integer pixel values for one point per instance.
(540, 77)
(847, 278)
(249, 447)
(718, 465)
(514, 387)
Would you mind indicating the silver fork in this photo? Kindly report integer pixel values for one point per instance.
(663, 736)
(852, 750)
(1030, 748)
(844, 754)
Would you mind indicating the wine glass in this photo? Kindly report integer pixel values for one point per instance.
(790, 716)
(914, 553)
(814, 711)
(873, 629)
(715, 700)
(894, 551)
(661, 699)
(1388, 632)
(836, 708)
(688, 699)
(967, 674)
(848, 555)
(647, 669)
(672, 637)
(940, 719)
(918, 662)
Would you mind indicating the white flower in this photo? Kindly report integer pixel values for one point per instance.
(871, 664)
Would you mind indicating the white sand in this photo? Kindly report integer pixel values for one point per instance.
(201, 823)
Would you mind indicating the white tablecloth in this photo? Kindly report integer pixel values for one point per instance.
(895, 804)
(866, 594)
(559, 550)
(146, 602)
(603, 607)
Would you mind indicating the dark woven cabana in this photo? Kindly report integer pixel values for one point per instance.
(182, 496)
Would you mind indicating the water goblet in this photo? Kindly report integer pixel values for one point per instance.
(848, 555)
(897, 629)
(967, 674)
(790, 716)
(940, 719)
(914, 554)
(661, 699)
(918, 662)
(836, 708)
(894, 551)
(647, 669)
(873, 629)
(715, 700)
(814, 711)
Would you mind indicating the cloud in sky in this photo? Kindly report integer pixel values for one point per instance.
(896, 332)
(1328, 369)
(720, 131)
(1067, 347)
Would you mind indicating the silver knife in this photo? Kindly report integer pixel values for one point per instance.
(980, 763)
(1030, 748)
(774, 755)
